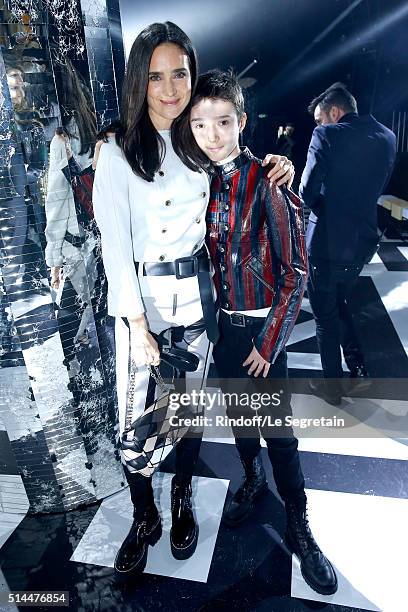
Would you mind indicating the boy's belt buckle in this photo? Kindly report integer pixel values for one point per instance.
(237, 319)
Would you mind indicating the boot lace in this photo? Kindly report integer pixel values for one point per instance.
(183, 494)
(302, 529)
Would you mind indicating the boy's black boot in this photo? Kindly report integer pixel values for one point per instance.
(316, 569)
(242, 502)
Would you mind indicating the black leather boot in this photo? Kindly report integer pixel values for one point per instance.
(359, 379)
(132, 555)
(358, 371)
(184, 529)
(242, 502)
(328, 389)
(316, 569)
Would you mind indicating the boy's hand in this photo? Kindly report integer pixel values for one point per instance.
(257, 364)
(283, 172)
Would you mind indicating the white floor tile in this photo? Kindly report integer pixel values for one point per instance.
(365, 439)
(111, 523)
(304, 361)
(13, 496)
(376, 266)
(8, 523)
(385, 448)
(366, 539)
(307, 361)
(375, 259)
(306, 305)
(302, 331)
(403, 251)
(393, 289)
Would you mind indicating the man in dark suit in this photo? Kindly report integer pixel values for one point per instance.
(349, 162)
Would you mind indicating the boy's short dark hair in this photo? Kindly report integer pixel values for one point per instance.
(221, 85)
(335, 95)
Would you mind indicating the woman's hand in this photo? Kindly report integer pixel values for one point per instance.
(98, 145)
(143, 347)
(67, 143)
(258, 365)
(56, 276)
(283, 172)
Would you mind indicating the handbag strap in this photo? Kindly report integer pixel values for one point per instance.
(157, 377)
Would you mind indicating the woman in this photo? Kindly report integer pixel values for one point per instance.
(150, 202)
(69, 232)
(31, 137)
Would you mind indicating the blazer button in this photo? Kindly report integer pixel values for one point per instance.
(198, 220)
(167, 203)
(226, 286)
(226, 207)
(203, 194)
(161, 173)
(223, 268)
(162, 257)
(227, 305)
(221, 248)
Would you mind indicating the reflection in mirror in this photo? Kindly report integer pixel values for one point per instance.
(56, 358)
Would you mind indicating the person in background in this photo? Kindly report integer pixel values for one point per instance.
(285, 141)
(70, 230)
(29, 133)
(349, 162)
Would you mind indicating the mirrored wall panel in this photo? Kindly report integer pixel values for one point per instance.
(61, 64)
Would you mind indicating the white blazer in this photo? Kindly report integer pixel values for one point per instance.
(78, 262)
(143, 221)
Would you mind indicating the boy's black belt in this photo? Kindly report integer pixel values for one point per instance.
(187, 267)
(238, 319)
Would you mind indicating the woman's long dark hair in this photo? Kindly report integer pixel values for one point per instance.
(76, 101)
(141, 143)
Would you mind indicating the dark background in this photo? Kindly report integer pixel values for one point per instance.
(302, 46)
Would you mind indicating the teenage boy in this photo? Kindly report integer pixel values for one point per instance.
(255, 236)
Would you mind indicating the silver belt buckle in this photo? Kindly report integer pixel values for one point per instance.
(237, 319)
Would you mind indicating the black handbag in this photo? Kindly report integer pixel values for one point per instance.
(151, 437)
(177, 358)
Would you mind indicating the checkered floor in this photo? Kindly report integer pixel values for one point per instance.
(357, 490)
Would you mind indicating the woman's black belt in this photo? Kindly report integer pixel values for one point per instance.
(76, 241)
(186, 267)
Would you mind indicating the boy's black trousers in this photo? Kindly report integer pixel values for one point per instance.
(232, 349)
